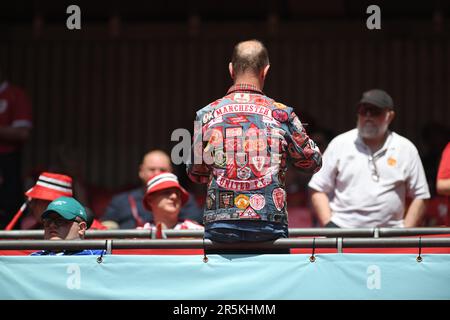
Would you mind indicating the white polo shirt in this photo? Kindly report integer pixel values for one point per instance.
(356, 200)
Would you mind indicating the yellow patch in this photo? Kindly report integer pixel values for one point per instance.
(279, 105)
(391, 161)
(242, 201)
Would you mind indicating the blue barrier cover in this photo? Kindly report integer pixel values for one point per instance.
(274, 277)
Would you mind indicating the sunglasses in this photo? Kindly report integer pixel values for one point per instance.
(373, 111)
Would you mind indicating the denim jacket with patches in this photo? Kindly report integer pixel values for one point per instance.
(242, 152)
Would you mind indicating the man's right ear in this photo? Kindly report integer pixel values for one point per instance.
(265, 71)
(230, 69)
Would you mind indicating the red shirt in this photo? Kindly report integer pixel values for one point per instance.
(15, 111)
(444, 166)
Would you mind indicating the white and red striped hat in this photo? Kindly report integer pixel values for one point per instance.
(164, 181)
(51, 186)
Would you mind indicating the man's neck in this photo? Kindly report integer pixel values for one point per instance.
(244, 79)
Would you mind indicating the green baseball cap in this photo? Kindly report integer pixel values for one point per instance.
(66, 207)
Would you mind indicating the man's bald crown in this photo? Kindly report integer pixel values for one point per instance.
(249, 56)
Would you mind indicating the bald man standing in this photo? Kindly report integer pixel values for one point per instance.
(242, 156)
(126, 210)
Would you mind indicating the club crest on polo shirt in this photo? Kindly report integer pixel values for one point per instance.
(391, 161)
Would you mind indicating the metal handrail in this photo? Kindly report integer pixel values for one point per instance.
(294, 232)
(208, 244)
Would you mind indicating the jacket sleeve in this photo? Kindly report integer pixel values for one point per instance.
(302, 151)
(197, 170)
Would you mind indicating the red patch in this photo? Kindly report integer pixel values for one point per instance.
(279, 196)
(236, 120)
(259, 165)
(231, 169)
(215, 136)
(280, 115)
(233, 145)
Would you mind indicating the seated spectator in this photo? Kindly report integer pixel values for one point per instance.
(126, 210)
(65, 219)
(48, 187)
(165, 197)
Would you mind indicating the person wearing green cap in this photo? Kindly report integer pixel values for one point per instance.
(65, 219)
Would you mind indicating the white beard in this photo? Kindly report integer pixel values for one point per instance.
(368, 130)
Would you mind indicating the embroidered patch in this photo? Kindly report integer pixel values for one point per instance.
(239, 185)
(233, 144)
(244, 173)
(299, 138)
(257, 201)
(233, 132)
(249, 213)
(211, 202)
(241, 97)
(220, 158)
(241, 159)
(207, 117)
(297, 123)
(279, 197)
(255, 145)
(259, 165)
(279, 105)
(241, 201)
(215, 136)
(236, 120)
(280, 115)
(226, 199)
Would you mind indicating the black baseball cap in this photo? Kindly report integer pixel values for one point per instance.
(377, 97)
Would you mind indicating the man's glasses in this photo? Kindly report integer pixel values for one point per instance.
(365, 110)
(58, 222)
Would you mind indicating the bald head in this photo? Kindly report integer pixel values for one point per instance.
(249, 57)
(154, 162)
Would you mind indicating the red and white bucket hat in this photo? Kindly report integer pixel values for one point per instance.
(51, 186)
(164, 181)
